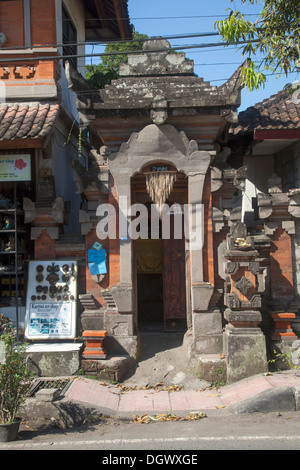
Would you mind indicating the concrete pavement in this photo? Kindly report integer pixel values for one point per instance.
(263, 393)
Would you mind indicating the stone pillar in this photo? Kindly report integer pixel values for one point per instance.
(244, 342)
(207, 318)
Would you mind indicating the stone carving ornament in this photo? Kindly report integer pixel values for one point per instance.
(243, 285)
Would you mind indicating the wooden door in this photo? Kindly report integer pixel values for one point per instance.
(174, 285)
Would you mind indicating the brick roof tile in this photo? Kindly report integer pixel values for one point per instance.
(27, 120)
(277, 112)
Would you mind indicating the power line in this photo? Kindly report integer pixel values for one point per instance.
(187, 17)
(97, 43)
(106, 54)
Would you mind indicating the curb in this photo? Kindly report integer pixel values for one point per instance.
(278, 399)
(68, 412)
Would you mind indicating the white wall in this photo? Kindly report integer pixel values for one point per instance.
(260, 168)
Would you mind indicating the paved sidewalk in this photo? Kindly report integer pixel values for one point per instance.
(274, 392)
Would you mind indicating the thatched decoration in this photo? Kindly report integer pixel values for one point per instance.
(159, 186)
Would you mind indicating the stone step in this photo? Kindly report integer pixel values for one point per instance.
(212, 368)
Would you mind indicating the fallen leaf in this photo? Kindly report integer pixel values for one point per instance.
(29, 427)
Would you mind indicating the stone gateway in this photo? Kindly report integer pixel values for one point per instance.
(164, 141)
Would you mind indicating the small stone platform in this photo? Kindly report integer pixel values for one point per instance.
(113, 369)
(54, 359)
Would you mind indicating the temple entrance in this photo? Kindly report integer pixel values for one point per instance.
(160, 265)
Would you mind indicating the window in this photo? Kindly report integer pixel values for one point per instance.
(69, 38)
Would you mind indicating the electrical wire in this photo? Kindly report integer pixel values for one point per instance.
(106, 54)
(99, 43)
(187, 17)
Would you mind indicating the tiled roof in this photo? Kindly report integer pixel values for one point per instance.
(277, 112)
(27, 120)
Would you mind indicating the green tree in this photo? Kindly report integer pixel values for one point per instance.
(274, 36)
(101, 74)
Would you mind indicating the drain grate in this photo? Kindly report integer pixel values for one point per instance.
(61, 384)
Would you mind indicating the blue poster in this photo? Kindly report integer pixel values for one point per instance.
(97, 261)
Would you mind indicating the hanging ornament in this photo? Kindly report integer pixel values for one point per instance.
(159, 185)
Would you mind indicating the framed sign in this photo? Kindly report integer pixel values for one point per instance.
(51, 303)
(154, 168)
(15, 167)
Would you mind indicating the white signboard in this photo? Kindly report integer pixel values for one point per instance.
(51, 302)
(15, 167)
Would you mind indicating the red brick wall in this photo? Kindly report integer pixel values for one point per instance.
(43, 22)
(44, 247)
(281, 267)
(12, 22)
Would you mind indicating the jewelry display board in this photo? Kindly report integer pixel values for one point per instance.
(51, 302)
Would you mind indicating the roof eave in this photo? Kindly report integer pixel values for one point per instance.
(114, 26)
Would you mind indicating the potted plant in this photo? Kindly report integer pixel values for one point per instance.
(14, 386)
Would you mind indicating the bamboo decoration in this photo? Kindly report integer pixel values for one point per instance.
(159, 186)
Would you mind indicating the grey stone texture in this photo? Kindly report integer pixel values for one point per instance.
(245, 352)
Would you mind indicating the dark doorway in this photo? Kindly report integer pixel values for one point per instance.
(150, 300)
(149, 283)
(160, 267)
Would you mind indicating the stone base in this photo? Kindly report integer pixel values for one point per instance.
(113, 369)
(212, 368)
(245, 352)
(121, 345)
(54, 359)
(208, 344)
(92, 320)
(208, 332)
(281, 357)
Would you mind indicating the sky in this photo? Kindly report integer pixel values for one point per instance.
(213, 64)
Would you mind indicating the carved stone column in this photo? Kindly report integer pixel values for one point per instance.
(244, 342)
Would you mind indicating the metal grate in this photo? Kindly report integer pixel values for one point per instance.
(61, 384)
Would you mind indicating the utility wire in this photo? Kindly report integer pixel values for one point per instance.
(62, 20)
(98, 43)
(106, 54)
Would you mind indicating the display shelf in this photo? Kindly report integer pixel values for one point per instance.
(19, 230)
(11, 211)
(13, 272)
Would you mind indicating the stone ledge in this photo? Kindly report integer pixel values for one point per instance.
(114, 368)
(212, 368)
(54, 359)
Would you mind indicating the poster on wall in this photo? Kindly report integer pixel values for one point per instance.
(15, 167)
(51, 302)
